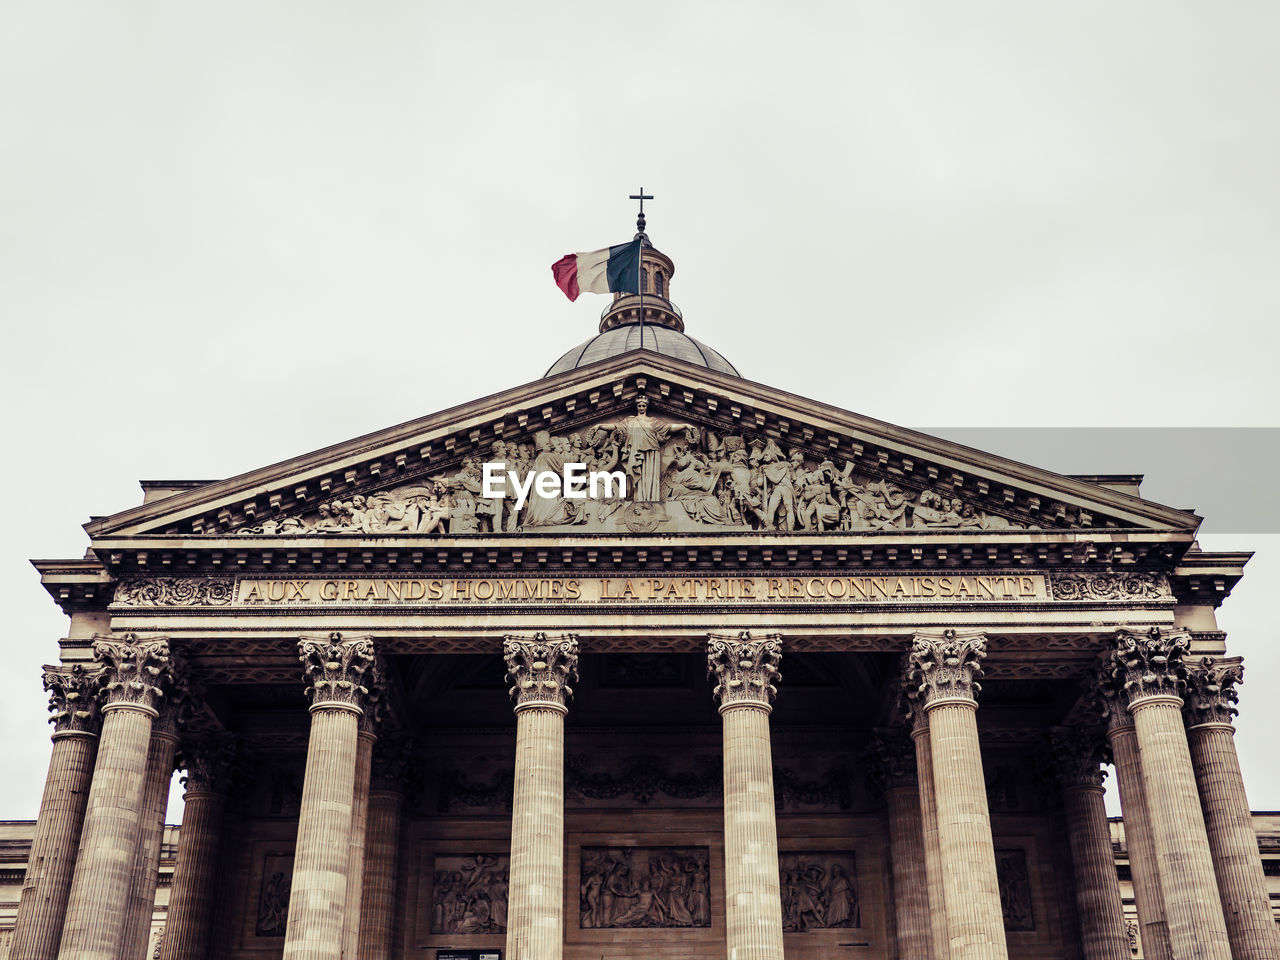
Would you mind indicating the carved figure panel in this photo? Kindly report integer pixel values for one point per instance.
(679, 476)
(629, 887)
(819, 891)
(469, 893)
(273, 896)
(1015, 890)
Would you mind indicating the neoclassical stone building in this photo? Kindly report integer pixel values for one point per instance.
(817, 685)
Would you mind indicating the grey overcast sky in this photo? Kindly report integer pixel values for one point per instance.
(235, 232)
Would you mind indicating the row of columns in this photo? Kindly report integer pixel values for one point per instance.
(1198, 880)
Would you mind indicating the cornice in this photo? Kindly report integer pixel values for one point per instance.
(432, 443)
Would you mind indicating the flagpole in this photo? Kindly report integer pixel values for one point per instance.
(640, 283)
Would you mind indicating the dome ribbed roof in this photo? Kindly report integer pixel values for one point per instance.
(659, 339)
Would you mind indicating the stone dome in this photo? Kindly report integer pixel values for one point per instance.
(661, 329)
(659, 339)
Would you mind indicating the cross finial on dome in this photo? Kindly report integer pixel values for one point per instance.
(642, 197)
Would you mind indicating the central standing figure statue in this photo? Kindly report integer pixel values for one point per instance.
(642, 449)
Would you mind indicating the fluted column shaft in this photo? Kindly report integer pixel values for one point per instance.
(187, 929)
(100, 892)
(1147, 894)
(910, 873)
(1097, 886)
(1193, 909)
(318, 896)
(975, 918)
(146, 863)
(42, 908)
(337, 670)
(381, 873)
(1233, 842)
(359, 826)
(535, 911)
(932, 847)
(753, 896)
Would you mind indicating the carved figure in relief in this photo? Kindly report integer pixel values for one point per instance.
(627, 887)
(818, 891)
(642, 449)
(469, 894)
(680, 478)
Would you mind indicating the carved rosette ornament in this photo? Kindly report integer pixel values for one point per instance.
(745, 669)
(1149, 665)
(210, 762)
(540, 669)
(944, 668)
(137, 673)
(337, 671)
(1211, 690)
(73, 698)
(1076, 755)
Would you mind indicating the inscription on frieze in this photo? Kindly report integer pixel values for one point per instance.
(895, 588)
(819, 891)
(630, 887)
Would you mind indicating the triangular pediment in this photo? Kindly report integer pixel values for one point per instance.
(712, 453)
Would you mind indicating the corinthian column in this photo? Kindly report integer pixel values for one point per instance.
(42, 908)
(912, 921)
(1147, 895)
(745, 672)
(209, 760)
(539, 669)
(1232, 841)
(1078, 756)
(135, 683)
(1150, 672)
(943, 671)
(382, 849)
(336, 670)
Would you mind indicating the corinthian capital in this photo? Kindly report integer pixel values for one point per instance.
(1076, 755)
(540, 669)
(210, 762)
(1211, 690)
(73, 697)
(1149, 664)
(337, 671)
(944, 666)
(136, 672)
(893, 758)
(745, 669)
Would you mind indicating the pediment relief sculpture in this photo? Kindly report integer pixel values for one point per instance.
(679, 478)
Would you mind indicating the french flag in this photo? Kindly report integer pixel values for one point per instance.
(611, 270)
